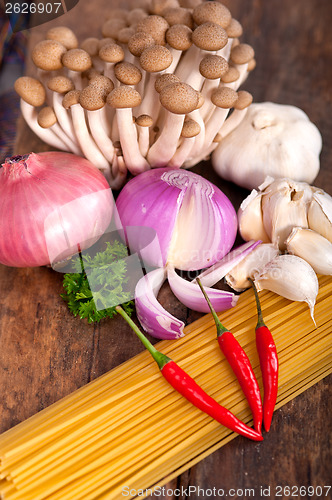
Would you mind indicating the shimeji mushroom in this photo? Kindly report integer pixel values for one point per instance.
(178, 15)
(93, 100)
(33, 95)
(143, 123)
(104, 84)
(156, 26)
(212, 67)
(124, 36)
(91, 151)
(189, 131)
(136, 45)
(214, 12)
(224, 99)
(241, 105)
(91, 46)
(111, 54)
(154, 60)
(63, 35)
(240, 57)
(179, 38)
(179, 99)
(127, 73)
(47, 57)
(112, 26)
(76, 61)
(47, 120)
(123, 99)
(60, 85)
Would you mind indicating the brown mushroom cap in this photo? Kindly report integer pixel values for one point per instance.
(214, 12)
(159, 6)
(90, 73)
(124, 97)
(47, 55)
(189, 4)
(164, 80)
(234, 29)
(213, 66)
(112, 27)
(242, 53)
(156, 26)
(244, 99)
(60, 84)
(92, 98)
(179, 98)
(251, 64)
(155, 58)
(105, 41)
(179, 37)
(144, 121)
(190, 128)
(127, 73)
(63, 35)
(30, 90)
(77, 60)
(72, 97)
(111, 53)
(179, 15)
(231, 76)
(102, 83)
(46, 117)
(224, 97)
(201, 100)
(125, 34)
(136, 15)
(91, 46)
(210, 36)
(139, 42)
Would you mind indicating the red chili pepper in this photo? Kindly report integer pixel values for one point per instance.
(269, 363)
(240, 364)
(187, 387)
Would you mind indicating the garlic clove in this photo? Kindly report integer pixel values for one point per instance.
(320, 214)
(252, 264)
(285, 205)
(292, 278)
(312, 247)
(250, 218)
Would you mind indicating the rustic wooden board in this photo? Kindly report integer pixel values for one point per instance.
(46, 354)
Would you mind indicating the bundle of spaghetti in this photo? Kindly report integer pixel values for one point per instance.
(129, 428)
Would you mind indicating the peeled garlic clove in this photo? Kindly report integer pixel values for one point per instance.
(312, 247)
(252, 264)
(250, 218)
(320, 214)
(292, 278)
(283, 208)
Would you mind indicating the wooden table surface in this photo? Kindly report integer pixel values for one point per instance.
(46, 354)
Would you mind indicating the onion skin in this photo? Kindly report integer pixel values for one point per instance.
(170, 201)
(33, 188)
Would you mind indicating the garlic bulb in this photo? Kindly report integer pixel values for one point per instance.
(292, 278)
(272, 139)
(312, 247)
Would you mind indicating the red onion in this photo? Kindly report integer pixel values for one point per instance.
(51, 205)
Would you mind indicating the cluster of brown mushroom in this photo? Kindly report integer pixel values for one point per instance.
(156, 89)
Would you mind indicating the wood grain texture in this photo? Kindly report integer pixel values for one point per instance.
(46, 354)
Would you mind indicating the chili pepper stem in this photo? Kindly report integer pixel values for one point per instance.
(260, 321)
(160, 358)
(220, 327)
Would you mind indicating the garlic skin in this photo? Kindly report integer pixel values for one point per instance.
(272, 139)
(292, 278)
(250, 266)
(320, 214)
(312, 247)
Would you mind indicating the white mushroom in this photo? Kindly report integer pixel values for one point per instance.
(241, 106)
(110, 54)
(123, 99)
(143, 123)
(33, 95)
(64, 35)
(76, 61)
(179, 99)
(87, 144)
(47, 120)
(272, 139)
(189, 131)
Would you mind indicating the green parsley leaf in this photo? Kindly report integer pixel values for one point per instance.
(105, 272)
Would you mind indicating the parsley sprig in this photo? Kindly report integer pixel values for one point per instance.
(98, 280)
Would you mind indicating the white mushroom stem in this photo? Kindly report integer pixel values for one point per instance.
(188, 68)
(76, 77)
(165, 146)
(133, 158)
(105, 144)
(176, 54)
(232, 122)
(30, 115)
(182, 153)
(64, 119)
(88, 146)
(208, 107)
(204, 155)
(214, 124)
(118, 172)
(200, 138)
